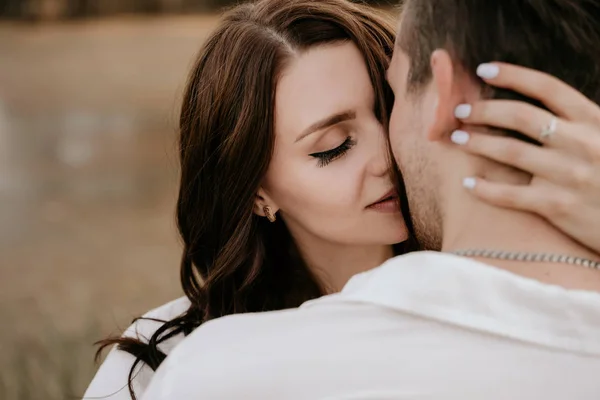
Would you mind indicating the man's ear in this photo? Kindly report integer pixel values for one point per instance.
(263, 200)
(447, 96)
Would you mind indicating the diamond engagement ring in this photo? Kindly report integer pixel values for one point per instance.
(549, 130)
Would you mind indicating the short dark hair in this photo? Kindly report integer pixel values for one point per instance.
(560, 37)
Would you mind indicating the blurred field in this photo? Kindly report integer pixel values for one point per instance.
(88, 115)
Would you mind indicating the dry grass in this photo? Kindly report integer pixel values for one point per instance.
(87, 190)
(49, 366)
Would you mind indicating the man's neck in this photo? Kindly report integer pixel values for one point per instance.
(479, 226)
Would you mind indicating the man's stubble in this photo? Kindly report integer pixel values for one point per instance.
(422, 182)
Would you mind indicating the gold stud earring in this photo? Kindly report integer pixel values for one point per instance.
(269, 214)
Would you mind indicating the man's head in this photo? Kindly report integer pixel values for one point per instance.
(439, 46)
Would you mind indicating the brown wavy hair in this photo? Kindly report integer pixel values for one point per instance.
(234, 261)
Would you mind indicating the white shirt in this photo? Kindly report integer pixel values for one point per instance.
(422, 326)
(111, 380)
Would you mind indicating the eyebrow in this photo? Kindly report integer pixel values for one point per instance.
(327, 122)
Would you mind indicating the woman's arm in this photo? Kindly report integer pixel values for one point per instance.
(111, 380)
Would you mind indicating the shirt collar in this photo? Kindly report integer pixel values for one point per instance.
(474, 295)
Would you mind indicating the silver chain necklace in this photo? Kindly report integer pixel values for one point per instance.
(531, 257)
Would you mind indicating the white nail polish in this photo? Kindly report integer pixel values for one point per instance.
(460, 137)
(462, 111)
(469, 183)
(487, 71)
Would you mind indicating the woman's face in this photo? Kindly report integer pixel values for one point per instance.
(330, 170)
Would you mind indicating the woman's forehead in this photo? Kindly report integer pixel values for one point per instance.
(322, 81)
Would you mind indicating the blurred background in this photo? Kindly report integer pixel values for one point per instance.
(89, 96)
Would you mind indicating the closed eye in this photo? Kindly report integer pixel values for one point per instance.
(326, 157)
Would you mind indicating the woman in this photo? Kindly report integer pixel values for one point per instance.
(286, 188)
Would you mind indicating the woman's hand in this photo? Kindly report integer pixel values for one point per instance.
(566, 170)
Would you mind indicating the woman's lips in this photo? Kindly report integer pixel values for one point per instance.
(389, 203)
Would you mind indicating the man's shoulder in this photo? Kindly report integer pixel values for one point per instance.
(249, 326)
(248, 322)
(229, 336)
(271, 329)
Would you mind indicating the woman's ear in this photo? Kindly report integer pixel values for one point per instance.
(262, 201)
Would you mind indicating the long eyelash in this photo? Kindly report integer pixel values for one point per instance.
(325, 157)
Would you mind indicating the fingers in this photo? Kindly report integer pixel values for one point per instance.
(522, 117)
(515, 115)
(559, 97)
(502, 195)
(550, 203)
(546, 163)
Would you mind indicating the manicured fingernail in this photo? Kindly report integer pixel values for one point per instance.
(487, 71)
(460, 137)
(462, 111)
(469, 183)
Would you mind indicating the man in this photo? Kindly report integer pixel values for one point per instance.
(509, 324)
